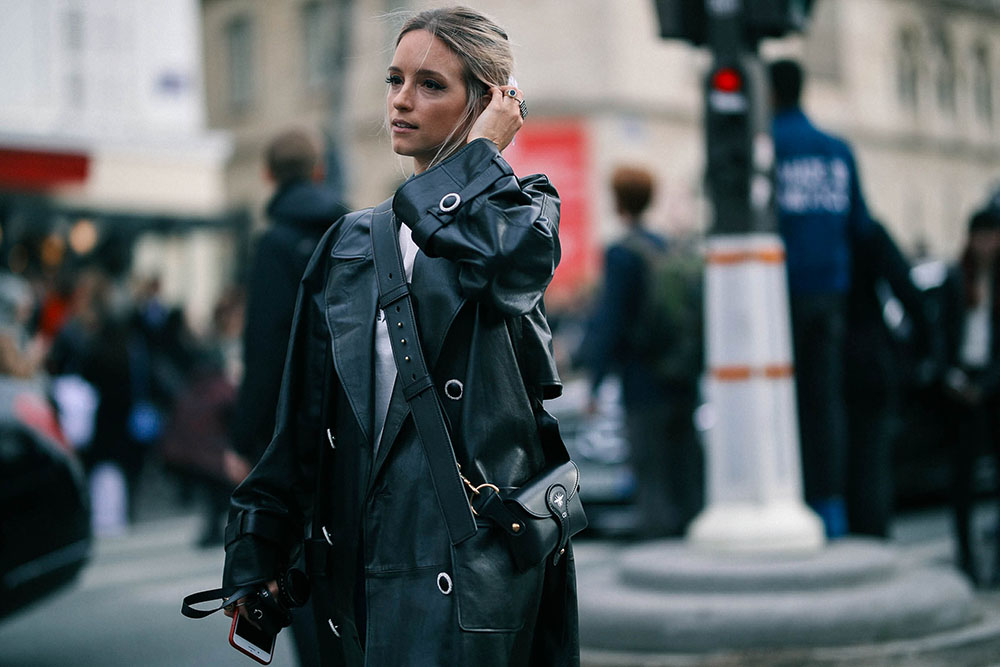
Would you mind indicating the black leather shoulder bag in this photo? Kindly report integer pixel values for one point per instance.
(539, 517)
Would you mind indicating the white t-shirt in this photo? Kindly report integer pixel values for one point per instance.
(385, 366)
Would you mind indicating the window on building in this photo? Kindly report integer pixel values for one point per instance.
(73, 30)
(907, 68)
(982, 83)
(317, 19)
(944, 73)
(239, 54)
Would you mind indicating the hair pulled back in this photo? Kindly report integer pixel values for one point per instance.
(483, 49)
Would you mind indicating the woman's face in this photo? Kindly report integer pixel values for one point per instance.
(426, 98)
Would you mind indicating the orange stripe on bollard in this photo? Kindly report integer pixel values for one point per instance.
(744, 373)
(732, 373)
(779, 371)
(763, 255)
(770, 255)
(727, 257)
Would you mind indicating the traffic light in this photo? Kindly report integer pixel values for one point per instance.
(729, 136)
(688, 19)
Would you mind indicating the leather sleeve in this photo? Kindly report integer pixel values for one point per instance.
(268, 510)
(536, 357)
(502, 232)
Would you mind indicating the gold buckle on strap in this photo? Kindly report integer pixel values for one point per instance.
(476, 490)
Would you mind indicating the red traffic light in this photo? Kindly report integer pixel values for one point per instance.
(727, 80)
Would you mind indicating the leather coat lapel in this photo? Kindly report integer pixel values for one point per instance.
(352, 302)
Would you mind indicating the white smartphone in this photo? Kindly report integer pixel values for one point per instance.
(247, 638)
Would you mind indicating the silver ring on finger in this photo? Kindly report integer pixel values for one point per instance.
(511, 92)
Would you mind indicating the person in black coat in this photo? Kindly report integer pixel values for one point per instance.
(881, 290)
(300, 211)
(971, 316)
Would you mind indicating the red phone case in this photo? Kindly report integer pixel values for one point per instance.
(232, 631)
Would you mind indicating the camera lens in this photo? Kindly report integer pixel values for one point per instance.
(293, 588)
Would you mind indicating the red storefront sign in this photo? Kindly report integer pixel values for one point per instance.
(558, 148)
(22, 169)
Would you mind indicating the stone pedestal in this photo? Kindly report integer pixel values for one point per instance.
(669, 597)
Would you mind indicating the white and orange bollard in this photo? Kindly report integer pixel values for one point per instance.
(754, 485)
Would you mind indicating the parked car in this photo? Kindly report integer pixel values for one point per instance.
(45, 532)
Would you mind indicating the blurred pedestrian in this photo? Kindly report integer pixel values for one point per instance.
(198, 431)
(479, 247)
(654, 344)
(93, 346)
(301, 209)
(21, 354)
(162, 351)
(886, 318)
(821, 212)
(971, 313)
(76, 399)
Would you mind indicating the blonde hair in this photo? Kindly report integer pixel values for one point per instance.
(484, 51)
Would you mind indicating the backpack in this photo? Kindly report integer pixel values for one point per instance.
(667, 329)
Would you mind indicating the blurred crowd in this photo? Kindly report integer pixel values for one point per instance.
(131, 384)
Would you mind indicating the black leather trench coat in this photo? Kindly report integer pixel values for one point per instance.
(389, 586)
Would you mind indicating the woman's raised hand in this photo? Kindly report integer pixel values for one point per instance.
(501, 119)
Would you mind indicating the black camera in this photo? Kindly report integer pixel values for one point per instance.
(273, 612)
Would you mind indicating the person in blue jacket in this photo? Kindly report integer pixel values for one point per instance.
(821, 212)
(659, 369)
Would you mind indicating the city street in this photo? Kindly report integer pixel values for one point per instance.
(125, 609)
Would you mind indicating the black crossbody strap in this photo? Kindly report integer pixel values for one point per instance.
(415, 379)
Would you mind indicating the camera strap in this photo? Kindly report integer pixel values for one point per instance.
(414, 378)
(187, 605)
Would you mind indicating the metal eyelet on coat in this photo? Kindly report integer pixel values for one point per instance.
(454, 389)
(326, 536)
(333, 627)
(331, 439)
(450, 205)
(444, 583)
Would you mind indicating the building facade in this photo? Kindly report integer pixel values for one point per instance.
(102, 125)
(912, 84)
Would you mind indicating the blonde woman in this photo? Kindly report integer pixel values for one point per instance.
(393, 580)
